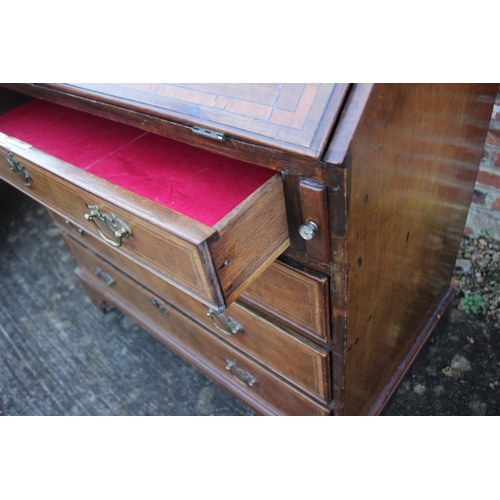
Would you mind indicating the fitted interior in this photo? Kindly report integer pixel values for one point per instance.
(201, 185)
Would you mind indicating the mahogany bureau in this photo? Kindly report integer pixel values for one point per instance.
(294, 242)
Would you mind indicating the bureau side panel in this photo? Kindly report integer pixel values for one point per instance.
(412, 166)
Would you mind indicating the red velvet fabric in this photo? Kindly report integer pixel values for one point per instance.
(201, 185)
(70, 135)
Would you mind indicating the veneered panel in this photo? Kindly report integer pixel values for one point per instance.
(293, 117)
(413, 163)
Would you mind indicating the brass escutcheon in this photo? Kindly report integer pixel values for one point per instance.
(115, 226)
(104, 276)
(19, 169)
(75, 229)
(240, 375)
(160, 307)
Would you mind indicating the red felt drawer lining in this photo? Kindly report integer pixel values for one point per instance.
(199, 184)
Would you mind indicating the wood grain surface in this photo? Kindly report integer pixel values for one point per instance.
(172, 252)
(412, 166)
(251, 238)
(293, 358)
(268, 395)
(388, 170)
(216, 265)
(251, 151)
(297, 298)
(291, 116)
(314, 201)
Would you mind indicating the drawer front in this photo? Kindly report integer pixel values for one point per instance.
(213, 264)
(150, 245)
(295, 359)
(244, 378)
(298, 298)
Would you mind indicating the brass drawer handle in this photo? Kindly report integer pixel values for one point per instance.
(104, 276)
(116, 227)
(240, 375)
(19, 169)
(160, 307)
(228, 326)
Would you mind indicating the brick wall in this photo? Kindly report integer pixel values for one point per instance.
(484, 214)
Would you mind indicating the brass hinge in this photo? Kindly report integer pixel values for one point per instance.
(212, 134)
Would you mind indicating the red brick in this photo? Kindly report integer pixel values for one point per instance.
(496, 204)
(479, 198)
(486, 156)
(496, 113)
(493, 138)
(488, 179)
(497, 160)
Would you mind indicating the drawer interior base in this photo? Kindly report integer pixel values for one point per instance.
(196, 183)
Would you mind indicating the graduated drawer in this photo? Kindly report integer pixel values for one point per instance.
(244, 378)
(297, 298)
(298, 360)
(212, 251)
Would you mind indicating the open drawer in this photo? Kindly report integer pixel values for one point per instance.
(206, 223)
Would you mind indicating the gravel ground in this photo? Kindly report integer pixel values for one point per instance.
(477, 279)
(458, 371)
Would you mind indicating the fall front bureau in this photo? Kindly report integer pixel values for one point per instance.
(294, 242)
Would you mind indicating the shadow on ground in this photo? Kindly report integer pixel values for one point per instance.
(457, 372)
